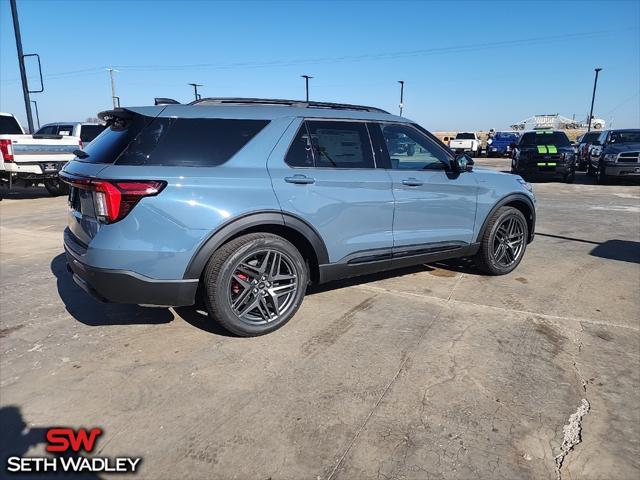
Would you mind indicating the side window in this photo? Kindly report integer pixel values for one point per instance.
(340, 144)
(409, 149)
(300, 152)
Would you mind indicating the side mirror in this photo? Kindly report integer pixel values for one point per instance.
(462, 163)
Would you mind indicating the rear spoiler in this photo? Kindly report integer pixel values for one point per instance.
(117, 117)
(165, 101)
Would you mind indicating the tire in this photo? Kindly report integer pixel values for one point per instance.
(589, 169)
(569, 177)
(225, 281)
(601, 175)
(488, 259)
(56, 187)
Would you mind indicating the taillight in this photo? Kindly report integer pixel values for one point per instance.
(7, 150)
(114, 199)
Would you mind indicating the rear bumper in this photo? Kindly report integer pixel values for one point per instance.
(123, 286)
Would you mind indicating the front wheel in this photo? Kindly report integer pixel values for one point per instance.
(503, 242)
(601, 175)
(569, 177)
(255, 284)
(56, 187)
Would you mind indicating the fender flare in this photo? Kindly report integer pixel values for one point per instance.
(253, 219)
(502, 202)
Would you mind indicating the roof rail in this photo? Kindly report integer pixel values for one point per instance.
(287, 103)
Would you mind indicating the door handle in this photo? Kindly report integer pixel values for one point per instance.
(412, 182)
(300, 179)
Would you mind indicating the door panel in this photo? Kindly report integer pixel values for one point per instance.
(346, 200)
(433, 204)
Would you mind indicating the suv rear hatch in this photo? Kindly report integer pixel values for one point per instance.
(93, 200)
(131, 159)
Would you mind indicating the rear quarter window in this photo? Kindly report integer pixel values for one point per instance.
(190, 142)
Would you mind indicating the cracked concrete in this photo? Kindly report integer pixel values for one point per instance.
(572, 431)
(434, 372)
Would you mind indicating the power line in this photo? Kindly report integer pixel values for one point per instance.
(353, 58)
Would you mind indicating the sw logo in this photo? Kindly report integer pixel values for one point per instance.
(63, 439)
(66, 443)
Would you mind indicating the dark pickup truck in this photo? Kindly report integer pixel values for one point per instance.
(544, 153)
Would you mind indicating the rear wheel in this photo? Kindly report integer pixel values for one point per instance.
(56, 187)
(504, 242)
(255, 284)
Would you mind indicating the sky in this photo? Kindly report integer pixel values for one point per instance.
(466, 65)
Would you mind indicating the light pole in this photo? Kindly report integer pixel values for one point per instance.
(114, 98)
(401, 82)
(306, 84)
(195, 90)
(23, 70)
(35, 104)
(593, 97)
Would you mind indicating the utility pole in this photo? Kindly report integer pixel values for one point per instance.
(35, 104)
(195, 90)
(23, 71)
(593, 97)
(306, 84)
(401, 82)
(114, 98)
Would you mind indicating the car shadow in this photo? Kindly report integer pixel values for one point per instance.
(84, 308)
(23, 193)
(198, 317)
(621, 250)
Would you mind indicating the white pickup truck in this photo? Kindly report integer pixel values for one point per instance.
(466, 142)
(33, 159)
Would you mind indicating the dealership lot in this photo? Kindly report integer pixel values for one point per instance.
(429, 372)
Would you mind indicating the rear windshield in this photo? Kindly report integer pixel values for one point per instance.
(65, 130)
(9, 126)
(465, 136)
(559, 139)
(185, 142)
(89, 132)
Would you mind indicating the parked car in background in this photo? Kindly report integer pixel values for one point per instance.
(583, 144)
(466, 142)
(500, 144)
(250, 200)
(544, 153)
(85, 131)
(615, 153)
(33, 159)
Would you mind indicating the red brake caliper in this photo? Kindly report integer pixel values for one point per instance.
(235, 286)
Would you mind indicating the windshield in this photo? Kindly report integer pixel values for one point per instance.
(465, 136)
(9, 126)
(559, 139)
(629, 136)
(505, 136)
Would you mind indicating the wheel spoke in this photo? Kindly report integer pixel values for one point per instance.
(249, 270)
(283, 289)
(263, 286)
